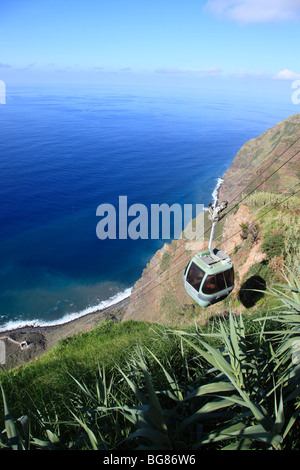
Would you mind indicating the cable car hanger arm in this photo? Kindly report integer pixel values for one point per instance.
(214, 215)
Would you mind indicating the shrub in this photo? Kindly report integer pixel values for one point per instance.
(273, 244)
(251, 230)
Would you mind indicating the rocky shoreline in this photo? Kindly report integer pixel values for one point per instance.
(23, 344)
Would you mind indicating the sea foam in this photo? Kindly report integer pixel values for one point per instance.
(103, 305)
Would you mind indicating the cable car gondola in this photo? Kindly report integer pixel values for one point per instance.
(209, 276)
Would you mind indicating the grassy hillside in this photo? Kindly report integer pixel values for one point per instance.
(47, 377)
(232, 384)
(260, 157)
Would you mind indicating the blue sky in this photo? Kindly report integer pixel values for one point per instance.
(96, 40)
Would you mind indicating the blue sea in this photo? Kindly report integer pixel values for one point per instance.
(64, 150)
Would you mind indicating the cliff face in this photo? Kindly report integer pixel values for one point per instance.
(257, 154)
(159, 295)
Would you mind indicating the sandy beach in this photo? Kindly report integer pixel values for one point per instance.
(26, 343)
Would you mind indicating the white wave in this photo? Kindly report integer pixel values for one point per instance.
(12, 325)
(216, 190)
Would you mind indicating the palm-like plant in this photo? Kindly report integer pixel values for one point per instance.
(226, 389)
(239, 394)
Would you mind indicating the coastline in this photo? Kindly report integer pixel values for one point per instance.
(41, 338)
(216, 191)
(68, 317)
(44, 336)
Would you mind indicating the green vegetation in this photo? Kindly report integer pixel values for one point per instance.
(250, 230)
(46, 378)
(280, 243)
(284, 201)
(232, 384)
(166, 260)
(273, 244)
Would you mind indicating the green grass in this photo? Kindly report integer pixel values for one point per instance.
(219, 386)
(47, 378)
(232, 383)
(136, 385)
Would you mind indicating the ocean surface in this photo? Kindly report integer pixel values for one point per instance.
(66, 150)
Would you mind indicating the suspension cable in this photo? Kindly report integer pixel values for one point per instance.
(231, 209)
(193, 253)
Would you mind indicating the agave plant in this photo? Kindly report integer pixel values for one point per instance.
(148, 417)
(96, 412)
(223, 389)
(17, 435)
(288, 294)
(13, 438)
(240, 381)
(287, 354)
(134, 398)
(237, 397)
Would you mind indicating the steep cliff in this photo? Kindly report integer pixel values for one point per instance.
(279, 143)
(263, 168)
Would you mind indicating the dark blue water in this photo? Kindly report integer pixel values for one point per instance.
(66, 150)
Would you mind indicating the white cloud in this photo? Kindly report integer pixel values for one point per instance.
(168, 70)
(255, 11)
(287, 75)
(175, 70)
(245, 74)
(211, 71)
